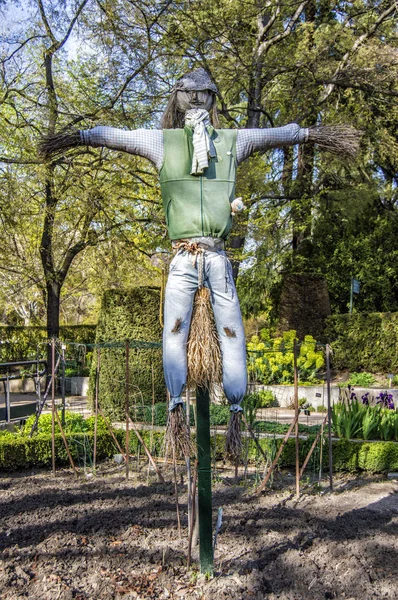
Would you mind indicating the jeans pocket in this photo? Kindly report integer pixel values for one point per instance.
(176, 261)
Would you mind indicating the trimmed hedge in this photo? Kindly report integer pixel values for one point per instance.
(22, 343)
(364, 342)
(23, 452)
(128, 315)
(20, 452)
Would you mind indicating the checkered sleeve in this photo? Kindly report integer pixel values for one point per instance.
(144, 142)
(249, 141)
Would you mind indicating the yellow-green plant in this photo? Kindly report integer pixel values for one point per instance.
(271, 359)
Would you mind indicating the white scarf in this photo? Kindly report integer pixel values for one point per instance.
(203, 147)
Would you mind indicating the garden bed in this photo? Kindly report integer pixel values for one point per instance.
(110, 538)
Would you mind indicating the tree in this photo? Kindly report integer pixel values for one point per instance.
(308, 62)
(76, 202)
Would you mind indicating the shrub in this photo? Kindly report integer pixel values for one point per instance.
(23, 452)
(74, 423)
(132, 315)
(271, 359)
(361, 379)
(219, 414)
(367, 342)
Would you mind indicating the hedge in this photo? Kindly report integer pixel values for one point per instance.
(23, 452)
(23, 343)
(129, 315)
(367, 342)
(19, 452)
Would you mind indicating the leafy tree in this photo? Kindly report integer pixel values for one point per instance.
(53, 211)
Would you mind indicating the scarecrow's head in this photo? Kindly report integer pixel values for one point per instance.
(193, 90)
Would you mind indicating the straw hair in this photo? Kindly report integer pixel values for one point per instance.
(58, 143)
(233, 443)
(203, 350)
(174, 119)
(178, 437)
(338, 139)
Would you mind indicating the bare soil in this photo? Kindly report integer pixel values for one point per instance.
(108, 538)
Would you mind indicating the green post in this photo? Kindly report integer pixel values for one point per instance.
(351, 294)
(204, 481)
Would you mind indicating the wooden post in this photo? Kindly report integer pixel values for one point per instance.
(72, 464)
(188, 463)
(118, 446)
(127, 409)
(149, 455)
(318, 435)
(53, 403)
(204, 481)
(7, 399)
(296, 415)
(97, 376)
(275, 461)
(193, 514)
(329, 417)
(63, 384)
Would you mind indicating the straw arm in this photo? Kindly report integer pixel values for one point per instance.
(147, 143)
(343, 140)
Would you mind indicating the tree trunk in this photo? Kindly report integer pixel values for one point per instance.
(53, 303)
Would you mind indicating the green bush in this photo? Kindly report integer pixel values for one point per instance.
(23, 452)
(361, 379)
(280, 428)
(219, 414)
(74, 423)
(129, 315)
(266, 399)
(270, 360)
(364, 342)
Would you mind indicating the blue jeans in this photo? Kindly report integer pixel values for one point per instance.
(180, 291)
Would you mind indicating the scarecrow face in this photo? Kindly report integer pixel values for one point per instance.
(188, 99)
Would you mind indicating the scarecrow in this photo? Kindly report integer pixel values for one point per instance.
(197, 165)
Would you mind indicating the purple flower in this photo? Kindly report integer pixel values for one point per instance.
(386, 400)
(365, 399)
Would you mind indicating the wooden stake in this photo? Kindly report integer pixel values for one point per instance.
(127, 408)
(329, 417)
(97, 376)
(193, 515)
(72, 464)
(118, 446)
(53, 403)
(318, 435)
(253, 435)
(275, 462)
(176, 493)
(296, 414)
(188, 464)
(63, 384)
(204, 481)
(137, 433)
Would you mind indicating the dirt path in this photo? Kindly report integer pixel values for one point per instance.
(106, 538)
